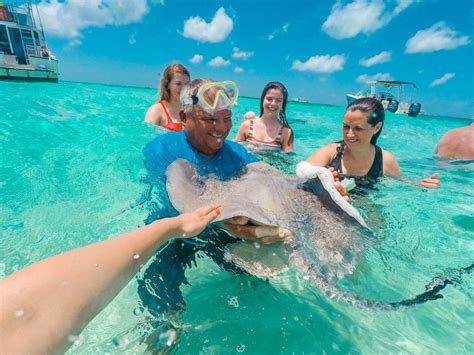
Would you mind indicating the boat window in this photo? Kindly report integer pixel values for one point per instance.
(4, 43)
(37, 41)
(17, 45)
(22, 19)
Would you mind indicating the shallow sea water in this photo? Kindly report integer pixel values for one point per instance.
(71, 174)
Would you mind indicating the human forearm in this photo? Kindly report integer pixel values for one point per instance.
(46, 302)
(78, 284)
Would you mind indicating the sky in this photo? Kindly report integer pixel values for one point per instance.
(320, 49)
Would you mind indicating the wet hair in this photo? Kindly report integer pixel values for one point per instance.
(374, 110)
(191, 89)
(168, 74)
(282, 114)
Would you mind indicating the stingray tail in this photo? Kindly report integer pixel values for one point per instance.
(431, 293)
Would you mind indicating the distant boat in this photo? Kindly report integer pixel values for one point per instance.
(24, 53)
(381, 89)
(299, 99)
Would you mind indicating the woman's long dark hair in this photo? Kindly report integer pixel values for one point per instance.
(282, 114)
(374, 110)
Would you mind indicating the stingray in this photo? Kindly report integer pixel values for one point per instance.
(329, 236)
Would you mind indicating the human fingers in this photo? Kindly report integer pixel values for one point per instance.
(280, 235)
(430, 183)
(205, 210)
(341, 189)
(193, 223)
(269, 240)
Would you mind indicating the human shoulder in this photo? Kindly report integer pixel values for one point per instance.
(324, 155)
(286, 131)
(167, 139)
(243, 131)
(246, 123)
(329, 150)
(390, 164)
(165, 149)
(155, 114)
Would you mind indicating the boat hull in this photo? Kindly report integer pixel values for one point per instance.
(28, 74)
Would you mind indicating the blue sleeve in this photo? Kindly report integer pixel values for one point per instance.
(157, 158)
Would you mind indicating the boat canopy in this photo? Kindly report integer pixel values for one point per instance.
(392, 83)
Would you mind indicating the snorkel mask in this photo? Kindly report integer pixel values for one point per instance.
(212, 96)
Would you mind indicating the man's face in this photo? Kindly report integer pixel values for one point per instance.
(205, 131)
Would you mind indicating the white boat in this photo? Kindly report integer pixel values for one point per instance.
(24, 53)
(382, 90)
(300, 99)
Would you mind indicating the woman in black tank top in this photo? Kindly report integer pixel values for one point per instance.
(357, 156)
(369, 179)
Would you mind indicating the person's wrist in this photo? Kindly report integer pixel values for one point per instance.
(171, 226)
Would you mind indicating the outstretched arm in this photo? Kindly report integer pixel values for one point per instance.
(392, 169)
(48, 301)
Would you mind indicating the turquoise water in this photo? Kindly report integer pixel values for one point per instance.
(70, 174)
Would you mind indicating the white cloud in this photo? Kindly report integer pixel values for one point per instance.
(67, 19)
(446, 77)
(402, 5)
(215, 31)
(238, 54)
(238, 70)
(382, 57)
(360, 16)
(435, 38)
(218, 62)
(74, 42)
(321, 64)
(283, 28)
(364, 78)
(196, 59)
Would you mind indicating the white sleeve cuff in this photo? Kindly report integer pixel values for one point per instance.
(305, 170)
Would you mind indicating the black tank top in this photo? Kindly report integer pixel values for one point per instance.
(368, 180)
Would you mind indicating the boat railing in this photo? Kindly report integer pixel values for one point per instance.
(31, 49)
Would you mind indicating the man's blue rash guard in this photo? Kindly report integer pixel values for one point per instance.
(165, 149)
